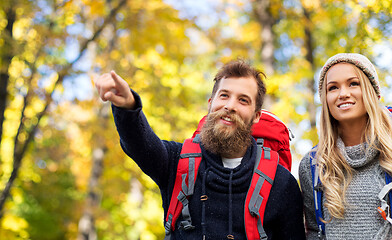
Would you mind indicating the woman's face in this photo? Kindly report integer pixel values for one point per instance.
(344, 94)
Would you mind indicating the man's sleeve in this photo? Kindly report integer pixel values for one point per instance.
(305, 177)
(291, 220)
(283, 218)
(155, 157)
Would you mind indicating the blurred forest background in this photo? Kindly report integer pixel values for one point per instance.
(63, 174)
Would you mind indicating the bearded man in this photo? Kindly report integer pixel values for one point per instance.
(228, 157)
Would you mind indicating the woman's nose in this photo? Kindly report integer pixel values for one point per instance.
(344, 93)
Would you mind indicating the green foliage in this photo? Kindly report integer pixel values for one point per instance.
(48, 214)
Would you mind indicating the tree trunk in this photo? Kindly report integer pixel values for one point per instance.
(311, 107)
(261, 9)
(87, 230)
(4, 65)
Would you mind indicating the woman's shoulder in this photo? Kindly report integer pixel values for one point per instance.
(305, 164)
(306, 158)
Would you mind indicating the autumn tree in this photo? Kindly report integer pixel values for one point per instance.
(60, 45)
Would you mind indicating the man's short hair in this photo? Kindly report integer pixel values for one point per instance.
(240, 68)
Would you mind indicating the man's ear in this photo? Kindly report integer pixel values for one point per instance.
(257, 117)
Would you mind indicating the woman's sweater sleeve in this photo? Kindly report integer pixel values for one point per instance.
(305, 178)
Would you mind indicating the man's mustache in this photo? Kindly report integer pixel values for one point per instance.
(235, 118)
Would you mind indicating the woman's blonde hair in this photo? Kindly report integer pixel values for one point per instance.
(335, 173)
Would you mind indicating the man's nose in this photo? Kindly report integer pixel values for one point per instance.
(230, 105)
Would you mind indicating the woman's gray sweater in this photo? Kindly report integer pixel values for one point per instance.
(361, 218)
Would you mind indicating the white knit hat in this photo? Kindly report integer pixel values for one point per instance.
(359, 61)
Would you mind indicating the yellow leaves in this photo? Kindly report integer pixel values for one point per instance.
(11, 222)
(50, 82)
(35, 107)
(3, 23)
(102, 224)
(32, 34)
(376, 5)
(76, 113)
(357, 9)
(19, 11)
(152, 57)
(278, 86)
(155, 5)
(10, 126)
(237, 3)
(311, 134)
(124, 63)
(14, 223)
(16, 68)
(138, 81)
(29, 175)
(148, 236)
(144, 211)
(20, 28)
(68, 14)
(80, 152)
(97, 7)
(311, 4)
(69, 18)
(162, 128)
(275, 83)
(251, 32)
(6, 152)
(115, 54)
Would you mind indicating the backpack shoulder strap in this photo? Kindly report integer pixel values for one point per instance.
(259, 190)
(388, 180)
(317, 193)
(386, 190)
(187, 168)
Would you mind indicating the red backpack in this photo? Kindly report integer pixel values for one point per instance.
(273, 147)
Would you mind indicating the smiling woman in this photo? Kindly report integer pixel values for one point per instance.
(344, 98)
(343, 179)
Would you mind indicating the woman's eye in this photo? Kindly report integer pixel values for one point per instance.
(354, 84)
(332, 88)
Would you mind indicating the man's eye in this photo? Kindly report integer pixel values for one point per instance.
(243, 100)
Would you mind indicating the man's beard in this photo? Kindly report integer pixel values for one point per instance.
(222, 139)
